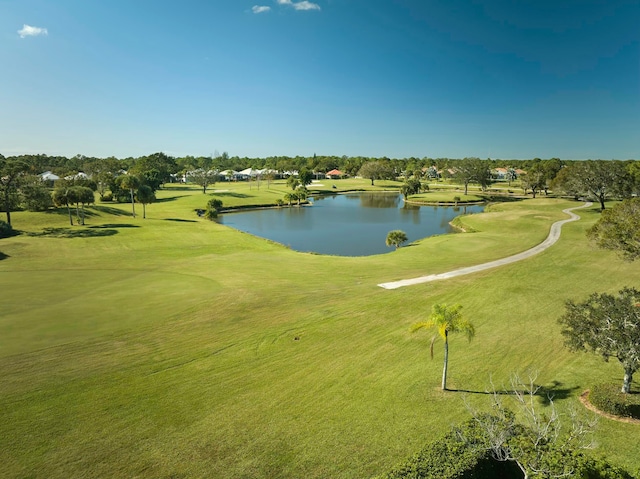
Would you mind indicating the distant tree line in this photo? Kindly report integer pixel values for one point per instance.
(21, 185)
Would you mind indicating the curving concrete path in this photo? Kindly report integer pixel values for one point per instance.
(554, 235)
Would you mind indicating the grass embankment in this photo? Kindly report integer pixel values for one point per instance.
(167, 347)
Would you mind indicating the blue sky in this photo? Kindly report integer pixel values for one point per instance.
(397, 78)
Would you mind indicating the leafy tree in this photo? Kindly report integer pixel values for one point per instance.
(131, 183)
(619, 229)
(203, 177)
(80, 195)
(11, 171)
(396, 238)
(305, 176)
(103, 172)
(511, 175)
(411, 186)
(301, 194)
(164, 165)
(35, 195)
(473, 170)
(145, 195)
(62, 196)
(152, 178)
(607, 325)
(293, 182)
(535, 179)
(598, 179)
(376, 170)
(446, 319)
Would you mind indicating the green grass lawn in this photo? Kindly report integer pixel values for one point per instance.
(166, 347)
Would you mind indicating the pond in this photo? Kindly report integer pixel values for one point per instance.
(347, 225)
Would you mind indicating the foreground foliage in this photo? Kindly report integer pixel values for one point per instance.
(465, 452)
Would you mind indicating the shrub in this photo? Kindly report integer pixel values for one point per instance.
(214, 204)
(106, 198)
(279, 202)
(456, 198)
(211, 214)
(608, 398)
(36, 197)
(5, 229)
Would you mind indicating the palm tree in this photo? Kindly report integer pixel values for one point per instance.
(447, 319)
(62, 197)
(290, 197)
(396, 238)
(145, 195)
(131, 183)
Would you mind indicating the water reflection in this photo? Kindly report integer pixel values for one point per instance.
(347, 225)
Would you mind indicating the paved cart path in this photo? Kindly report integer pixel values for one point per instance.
(554, 235)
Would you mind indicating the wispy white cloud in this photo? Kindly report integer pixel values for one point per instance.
(303, 5)
(260, 9)
(29, 31)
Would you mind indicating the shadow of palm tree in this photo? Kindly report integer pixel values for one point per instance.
(110, 210)
(114, 225)
(169, 198)
(232, 194)
(3, 256)
(74, 233)
(546, 393)
(180, 220)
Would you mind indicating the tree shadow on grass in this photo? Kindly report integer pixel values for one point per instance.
(74, 233)
(501, 198)
(232, 194)
(3, 256)
(180, 220)
(110, 210)
(114, 225)
(169, 198)
(546, 393)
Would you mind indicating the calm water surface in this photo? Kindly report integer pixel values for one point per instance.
(347, 225)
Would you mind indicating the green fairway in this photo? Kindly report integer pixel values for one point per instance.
(175, 347)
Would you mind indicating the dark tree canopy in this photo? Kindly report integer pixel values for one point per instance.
(472, 170)
(619, 229)
(598, 179)
(607, 325)
(377, 170)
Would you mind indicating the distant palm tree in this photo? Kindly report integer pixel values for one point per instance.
(145, 195)
(63, 197)
(131, 183)
(396, 238)
(447, 319)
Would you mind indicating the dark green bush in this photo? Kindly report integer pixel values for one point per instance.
(608, 398)
(211, 214)
(5, 229)
(214, 204)
(108, 197)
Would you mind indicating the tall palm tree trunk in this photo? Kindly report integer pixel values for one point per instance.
(133, 204)
(70, 217)
(446, 360)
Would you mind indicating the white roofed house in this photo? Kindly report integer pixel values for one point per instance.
(49, 176)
